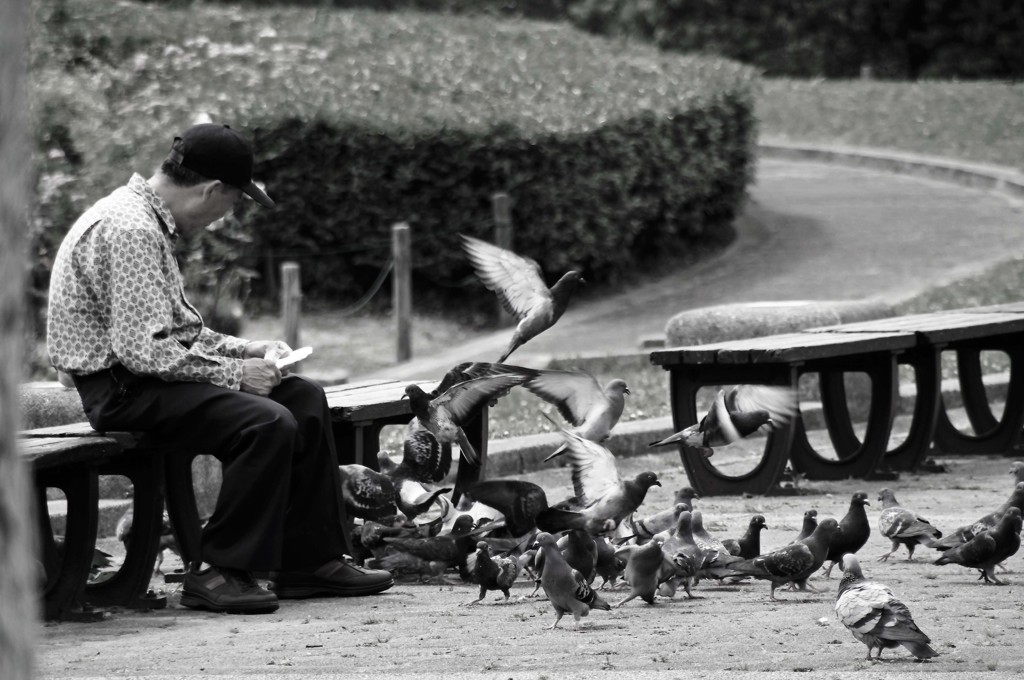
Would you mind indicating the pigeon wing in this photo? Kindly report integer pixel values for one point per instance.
(464, 400)
(780, 402)
(594, 474)
(573, 393)
(517, 280)
(425, 458)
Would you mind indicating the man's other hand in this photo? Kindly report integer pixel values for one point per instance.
(259, 376)
(271, 350)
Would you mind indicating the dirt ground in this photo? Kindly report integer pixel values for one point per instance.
(726, 631)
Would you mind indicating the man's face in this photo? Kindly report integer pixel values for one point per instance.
(210, 202)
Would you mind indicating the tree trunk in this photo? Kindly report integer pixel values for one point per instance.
(19, 571)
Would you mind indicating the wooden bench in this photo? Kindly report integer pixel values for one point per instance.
(70, 457)
(875, 348)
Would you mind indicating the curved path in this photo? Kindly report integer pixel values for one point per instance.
(809, 231)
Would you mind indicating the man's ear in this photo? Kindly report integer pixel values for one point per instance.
(211, 188)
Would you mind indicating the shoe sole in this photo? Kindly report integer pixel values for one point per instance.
(299, 590)
(199, 602)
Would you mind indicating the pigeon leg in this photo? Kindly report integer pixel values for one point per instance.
(624, 600)
(885, 557)
(828, 572)
(910, 552)
(558, 617)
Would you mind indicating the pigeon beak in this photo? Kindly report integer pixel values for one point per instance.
(626, 391)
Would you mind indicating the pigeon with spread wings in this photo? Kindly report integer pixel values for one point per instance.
(591, 409)
(600, 492)
(445, 414)
(520, 286)
(737, 413)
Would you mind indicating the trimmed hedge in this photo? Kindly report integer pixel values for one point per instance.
(831, 38)
(614, 155)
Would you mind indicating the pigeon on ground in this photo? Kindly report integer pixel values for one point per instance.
(969, 531)
(810, 523)
(609, 564)
(518, 501)
(646, 528)
(704, 540)
(792, 563)
(579, 549)
(749, 544)
(643, 565)
(854, 531)
(494, 572)
(167, 541)
(685, 495)
(903, 527)
(445, 414)
(367, 494)
(439, 552)
(872, 613)
(1017, 470)
(519, 284)
(592, 410)
(600, 492)
(373, 532)
(737, 413)
(988, 548)
(567, 590)
(684, 559)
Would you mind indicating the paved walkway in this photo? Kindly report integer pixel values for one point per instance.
(810, 231)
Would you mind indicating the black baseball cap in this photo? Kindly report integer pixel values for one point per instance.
(218, 152)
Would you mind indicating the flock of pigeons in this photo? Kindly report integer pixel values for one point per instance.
(504, 530)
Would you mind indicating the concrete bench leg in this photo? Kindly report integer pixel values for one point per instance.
(991, 436)
(705, 477)
(928, 388)
(853, 457)
(129, 587)
(68, 563)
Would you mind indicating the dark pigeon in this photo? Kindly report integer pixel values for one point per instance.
(988, 548)
(854, 531)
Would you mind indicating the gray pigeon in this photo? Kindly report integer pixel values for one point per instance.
(592, 410)
(872, 613)
(807, 527)
(646, 528)
(683, 557)
(903, 527)
(792, 563)
(567, 590)
(601, 494)
(988, 548)
(642, 568)
(367, 494)
(969, 531)
(609, 565)
(445, 414)
(1017, 470)
(519, 284)
(737, 413)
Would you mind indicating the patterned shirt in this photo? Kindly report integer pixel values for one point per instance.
(116, 297)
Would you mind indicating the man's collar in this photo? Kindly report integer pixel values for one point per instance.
(139, 185)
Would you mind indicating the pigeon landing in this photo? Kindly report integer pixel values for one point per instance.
(903, 527)
(872, 613)
(445, 414)
(567, 590)
(602, 495)
(519, 284)
(592, 410)
(737, 413)
(988, 548)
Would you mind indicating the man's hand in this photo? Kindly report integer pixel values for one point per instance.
(271, 350)
(259, 376)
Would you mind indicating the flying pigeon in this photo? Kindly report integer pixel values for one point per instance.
(749, 544)
(367, 494)
(737, 413)
(854, 531)
(969, 531)
(494, 572)
(903, 527)
(520, 286)
(591, 409)
(792, 563)
(445, 414)
(988, 548)
(479, 369)
(601, 493)
(567, 590)
(643, 565)
(518, 501)
(872, 613)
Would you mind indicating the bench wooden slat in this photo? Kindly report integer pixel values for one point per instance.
(940, 327)
(372, 400)
(785, 348)
(54, 452)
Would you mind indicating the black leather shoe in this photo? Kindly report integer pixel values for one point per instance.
(226, 590)
(337, 578)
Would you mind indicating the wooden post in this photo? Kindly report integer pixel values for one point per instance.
(291, 302)
(401, 288)
(19, 571)
(503, 239)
